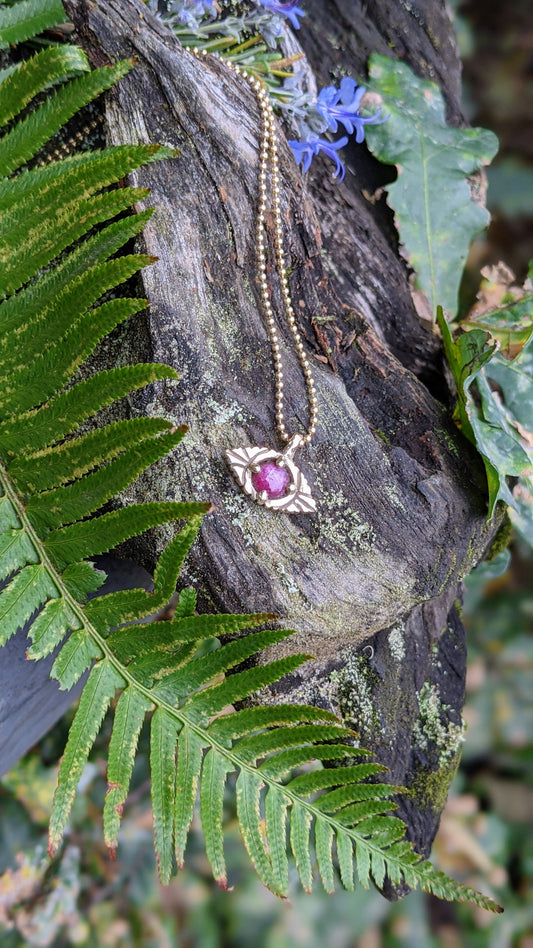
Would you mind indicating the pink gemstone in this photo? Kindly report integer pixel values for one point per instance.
(272, 479)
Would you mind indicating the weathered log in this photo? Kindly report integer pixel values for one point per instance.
(401, 495)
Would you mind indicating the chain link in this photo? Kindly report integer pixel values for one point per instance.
(269, 168)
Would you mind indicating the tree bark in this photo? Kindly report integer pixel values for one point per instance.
(369, 581)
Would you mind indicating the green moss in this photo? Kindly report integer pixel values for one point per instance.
(381, 435)
(501, 540)
(396, 642)
(352, 691)
(432, 732)
(429, 789)
(340, 523)
(440, 741)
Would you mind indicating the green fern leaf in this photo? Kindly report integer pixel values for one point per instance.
(276, 806)
(344, 846)
(52, 509)
(197, 672)
(162, 765)
(186, 606)
(253, 720)
(37, 339)
(33, 431)
(39, 377)
(363, 865)
(76, 457)
(91, 537)
(39, 73)
(28, 590)
(133, 604)
(97, 694)
(50, 627)
(324, 837)
(76, 656)
(29, 135)
(190, 757)
(248, 796)
(215, 769)
(131, 709)
(301, 819)
(16, 550)
(28, 18)
(80, 579)
(171, 633)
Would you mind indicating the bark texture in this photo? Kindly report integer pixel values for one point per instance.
(401, 496)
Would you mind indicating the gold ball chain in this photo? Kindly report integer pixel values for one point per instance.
(269, 166)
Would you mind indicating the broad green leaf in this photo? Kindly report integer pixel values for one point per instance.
(434, 211)
(497, 429)
(96, 696)
(514, 379)
(163, 783)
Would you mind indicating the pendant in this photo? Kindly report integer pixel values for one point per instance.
(271, 477)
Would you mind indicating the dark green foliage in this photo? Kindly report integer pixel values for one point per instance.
(54, 478)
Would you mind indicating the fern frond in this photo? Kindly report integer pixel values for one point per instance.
(197, 741)
(38, 74)
(24, 141)
(28, 18)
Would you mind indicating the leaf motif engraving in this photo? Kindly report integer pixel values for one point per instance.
(298, 499)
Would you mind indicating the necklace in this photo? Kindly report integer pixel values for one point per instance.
(271, 477)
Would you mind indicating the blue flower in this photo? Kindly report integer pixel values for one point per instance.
(290, 10)
(347, 113)
(306, 150)
(191, 12)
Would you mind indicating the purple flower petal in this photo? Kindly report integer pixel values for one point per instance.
(288, 9)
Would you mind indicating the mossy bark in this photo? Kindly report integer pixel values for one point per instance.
(401, 495)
